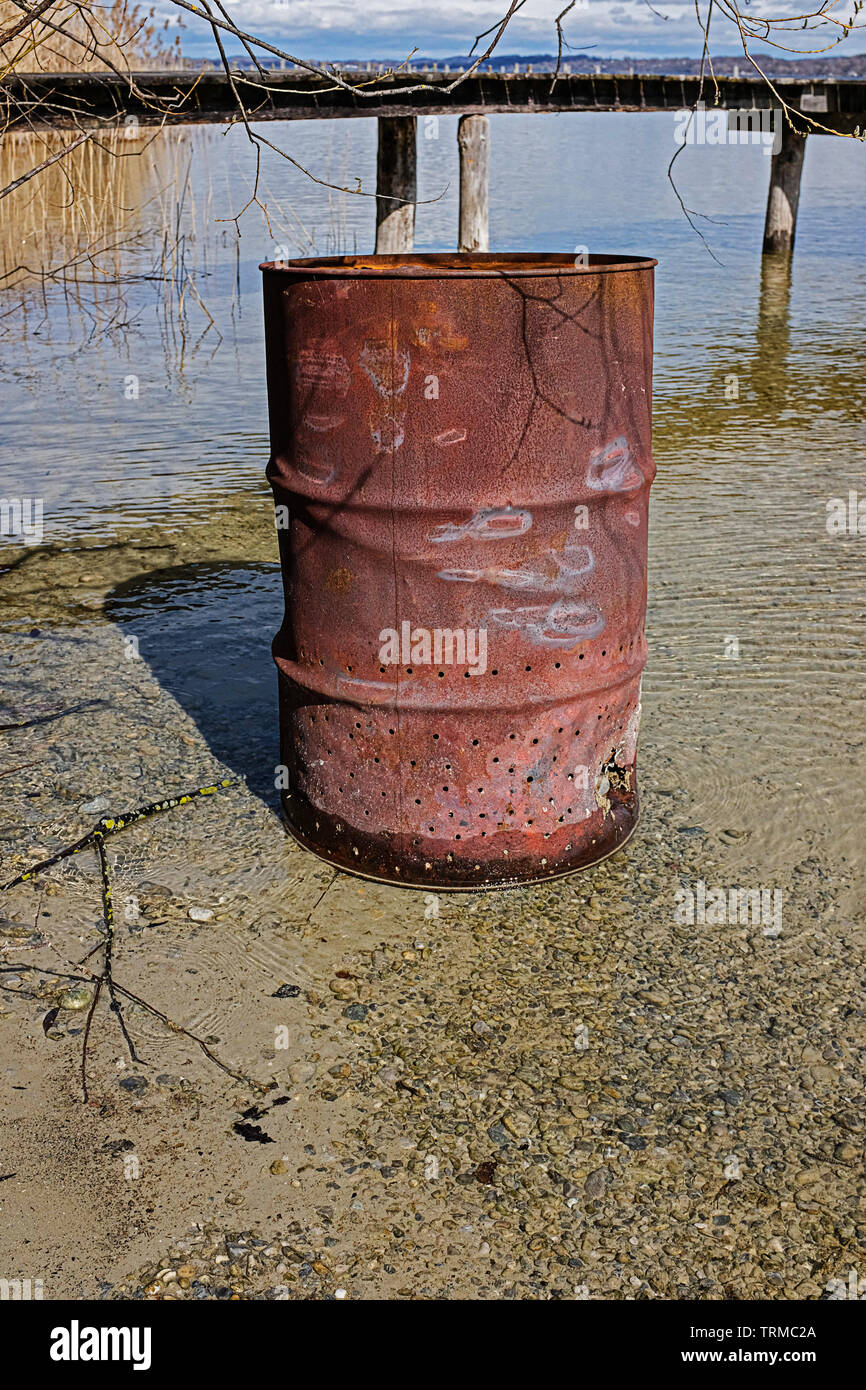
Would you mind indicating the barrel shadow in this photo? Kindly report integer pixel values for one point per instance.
(205, 631)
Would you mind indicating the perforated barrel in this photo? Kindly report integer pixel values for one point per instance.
(461, 463)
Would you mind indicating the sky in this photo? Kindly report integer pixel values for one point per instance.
(341, 29)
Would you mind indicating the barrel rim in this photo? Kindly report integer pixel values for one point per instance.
(455, 265)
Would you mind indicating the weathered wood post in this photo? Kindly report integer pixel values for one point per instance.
(473, 140)
(396, 178)
(784, 196)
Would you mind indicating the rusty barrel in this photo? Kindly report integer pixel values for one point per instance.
(461, 463)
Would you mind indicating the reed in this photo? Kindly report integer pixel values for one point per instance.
(97, 229)
(95, 37)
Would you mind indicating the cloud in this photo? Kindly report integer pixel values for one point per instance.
(392, 28)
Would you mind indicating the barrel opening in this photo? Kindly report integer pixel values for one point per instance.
(456, 264)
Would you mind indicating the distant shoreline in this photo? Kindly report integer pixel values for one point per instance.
(726, 65)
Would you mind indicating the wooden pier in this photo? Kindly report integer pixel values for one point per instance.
(83, 101)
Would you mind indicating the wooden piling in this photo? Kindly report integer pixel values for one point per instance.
(397, 179)
(785, 171)
(473, 140)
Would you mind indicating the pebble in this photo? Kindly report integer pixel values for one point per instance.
(137, 1085)
(200, 914)
(75, 997)
(357, 1012)
(596, 1184)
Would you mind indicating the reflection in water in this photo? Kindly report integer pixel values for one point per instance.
(774, 306)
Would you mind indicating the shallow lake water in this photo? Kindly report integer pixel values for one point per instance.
(131, 420)
(142, 423)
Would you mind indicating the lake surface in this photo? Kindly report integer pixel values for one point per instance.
(133, 421)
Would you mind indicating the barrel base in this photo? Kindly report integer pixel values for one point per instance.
(358, 853)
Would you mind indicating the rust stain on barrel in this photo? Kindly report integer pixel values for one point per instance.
(464, 712)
